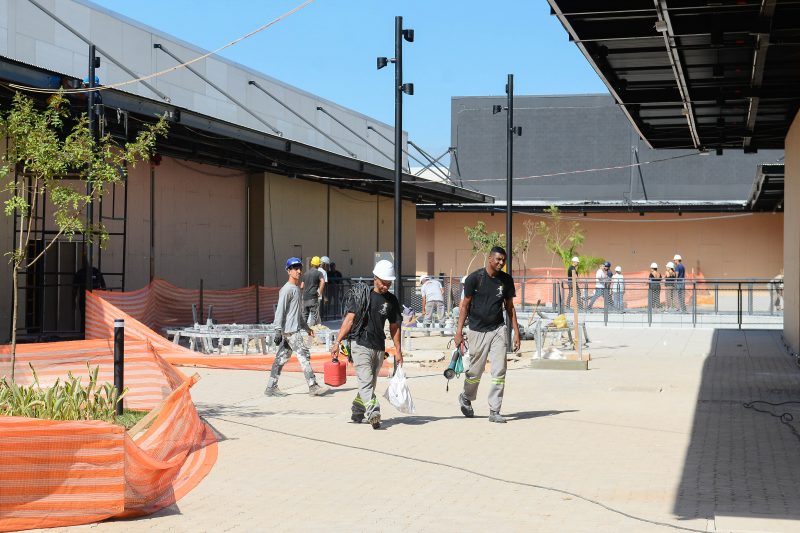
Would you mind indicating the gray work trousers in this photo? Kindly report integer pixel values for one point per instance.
(482, 345)
(430, 307)
(311, 312)
(292, 342)
(368, 364)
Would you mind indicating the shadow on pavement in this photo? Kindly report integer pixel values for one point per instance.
(524, 415)
(414, 420)
(741, 462)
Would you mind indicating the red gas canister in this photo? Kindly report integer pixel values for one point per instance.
(335, 373)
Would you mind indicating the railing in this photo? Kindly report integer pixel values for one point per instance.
(722, 302)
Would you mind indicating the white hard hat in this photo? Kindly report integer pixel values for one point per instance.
(384, 269)
(576, 259)
(618, 269)
(423, 277)
(653, 265)
(670, 265)
(463, 279)
(677, 257)
(325, 259)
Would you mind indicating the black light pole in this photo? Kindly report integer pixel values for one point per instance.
(399, 89)
(510, 132)
(94, 62)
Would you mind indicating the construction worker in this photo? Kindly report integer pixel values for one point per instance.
(680, 270)
(432, 299)
(312, 283)
(289, 321)
(487, 291)
(573, 270)
(365, 315)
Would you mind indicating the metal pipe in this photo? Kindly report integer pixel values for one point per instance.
(119, 360)
(509, 185)
(89, 186)
(398, 156)
(351, 130)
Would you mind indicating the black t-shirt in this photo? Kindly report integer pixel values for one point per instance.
(311, 281)
(570, 270)
(488, 298)
(382, 307)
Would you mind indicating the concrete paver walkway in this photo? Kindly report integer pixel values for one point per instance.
(653, 437)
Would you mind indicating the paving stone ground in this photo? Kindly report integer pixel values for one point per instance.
(654, 437)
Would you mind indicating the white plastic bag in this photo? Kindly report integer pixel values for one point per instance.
(398, 394)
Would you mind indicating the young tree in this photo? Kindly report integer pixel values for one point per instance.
(46, 145)
(564, 241)
(482, 241)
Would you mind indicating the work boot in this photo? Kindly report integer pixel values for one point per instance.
(357, 418)
(494, 416)
(316, 390)
(466, 406)
(274, 391)
(375, 421)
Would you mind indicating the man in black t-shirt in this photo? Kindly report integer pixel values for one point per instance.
(313, 286)
(487, 292)
(573, 270)
(367, 322)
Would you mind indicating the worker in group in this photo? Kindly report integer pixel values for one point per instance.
(432, 299)
(487, 291)
(680, 283)
(365, 316)
(313, 284)
(289, 322)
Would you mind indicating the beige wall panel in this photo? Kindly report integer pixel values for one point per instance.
(295, 213)
(386, 233)
(199, 223)
(749, 246)
(353, 231)
(791, 238)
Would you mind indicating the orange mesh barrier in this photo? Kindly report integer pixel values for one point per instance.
(60, 473)
(161, 305)
(101, 313)
(636, 289)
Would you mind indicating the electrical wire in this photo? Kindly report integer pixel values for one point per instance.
(681, 219)
(165, 71)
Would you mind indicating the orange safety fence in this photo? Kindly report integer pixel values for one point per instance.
(100, 316)
(61, 473)
(539, 283)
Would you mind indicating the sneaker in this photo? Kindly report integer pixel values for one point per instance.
(375, 421)
(316, 390)
(495, 416)
(274, 391)
(466, 406)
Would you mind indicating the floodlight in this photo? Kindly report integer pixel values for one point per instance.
(407, 88)
(661, 26)
(382, 62)
(496, 109)
(408, 35)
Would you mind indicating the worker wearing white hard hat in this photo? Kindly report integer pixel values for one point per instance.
(680, 286)
(618, 289)
(670, 278)
(365, 315)
(573, 269)
(654, 287)
(432, 299)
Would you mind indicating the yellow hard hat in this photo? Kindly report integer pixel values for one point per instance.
(315, 261)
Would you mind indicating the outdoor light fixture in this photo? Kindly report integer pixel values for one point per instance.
(382, 62)
(496, 109)
(408, 35)
(661, 26)
(407, 88)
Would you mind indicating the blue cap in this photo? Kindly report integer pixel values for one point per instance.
(293, 261)
(607, 264)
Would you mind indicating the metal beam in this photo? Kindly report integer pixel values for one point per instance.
(757, 72)
(677, 67)
(191, 69)
(351, 130)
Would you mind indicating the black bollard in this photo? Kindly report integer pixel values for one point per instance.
(119, 359)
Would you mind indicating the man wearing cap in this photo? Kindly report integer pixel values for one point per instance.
(680, 284)
(487, 291)
(364, 322)
(601, 285)
(618, 289)
(289, 321)
(432, 299)
(312, 284)
(573, 269)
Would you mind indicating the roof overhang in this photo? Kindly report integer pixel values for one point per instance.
(688, 74)
(768, 189)
(204, 139)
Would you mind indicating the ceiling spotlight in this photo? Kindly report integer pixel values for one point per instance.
(661, 26)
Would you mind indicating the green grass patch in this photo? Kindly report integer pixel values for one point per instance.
(130, 418)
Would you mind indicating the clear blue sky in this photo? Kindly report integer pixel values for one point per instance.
(461, 48)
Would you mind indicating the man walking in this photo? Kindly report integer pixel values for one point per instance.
(680, 284)
(432, 299)
(312, 283)
(573, 271)
(366, 313)
(601, 285)
(487, 292)
(289, 321)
